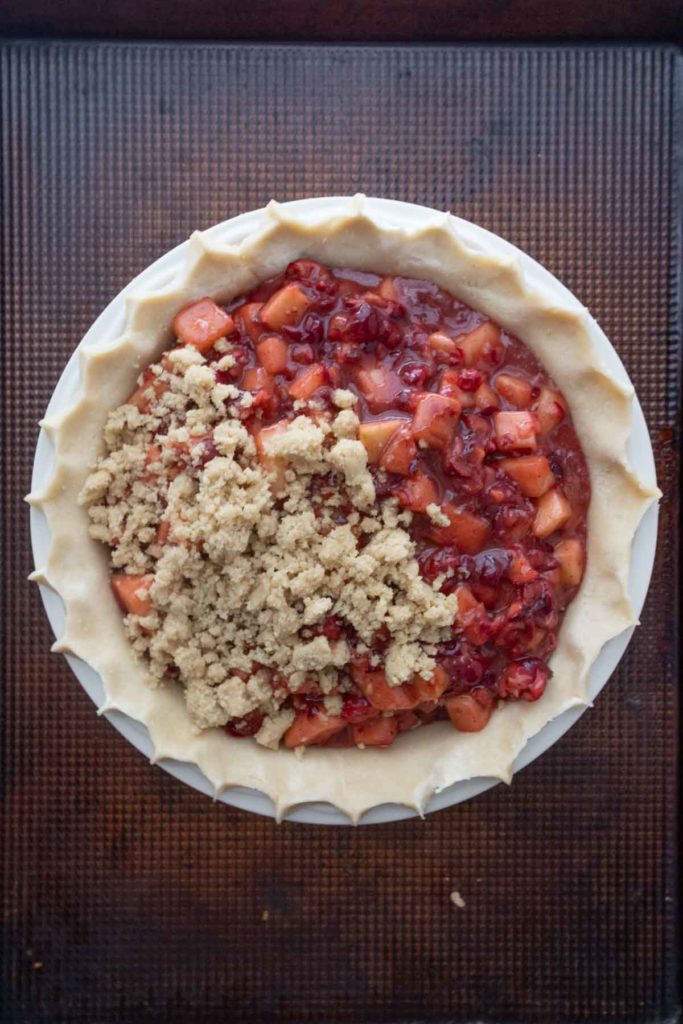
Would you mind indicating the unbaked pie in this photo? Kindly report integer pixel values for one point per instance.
(347, 475)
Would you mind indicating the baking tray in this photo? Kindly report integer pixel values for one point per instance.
(129, 897)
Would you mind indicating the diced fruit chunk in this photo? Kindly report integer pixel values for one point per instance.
(531, 473)
(430, 689)
(374, 686)
(285, 307)
(314, 726)
(150, 389)
(553, 511)
(467, 531)
(274, 466)
(272, 353)
(550, 410)
(571, 555)
(418, 492)
(400, 452)
(202, 323)
(257, 377)
(375, 434)
(247, 317)
(514, 389)
(515, 431)
(466, 713)
(435, 419)
(480, 344)
(132, 592)
(380, 386)
(377, 732)
(442, 342)
(486, 399)
(308, 381)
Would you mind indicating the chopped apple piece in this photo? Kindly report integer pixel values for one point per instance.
(550, 410)
(480, 344)
(153, 454)
(272, 353)
(377, 732)
(553, 511)
(417, 493)
(313, 727)
(571, 555)
(485, 398)
(442, 342)
(263, 434)
(435, 419)
(247, 317)
(430, 689)
(466, 713)
(531, 473)
(375, 434)
(400, 452)
(374, 686)
(132, 592)
(150, 389)
(201, 324)
(257, 377)
(467, 531)
(515, 431)
(308, 381)
(380, 386)
(514, 389)
(285, 307)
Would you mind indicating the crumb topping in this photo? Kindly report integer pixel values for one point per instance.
(245, 573)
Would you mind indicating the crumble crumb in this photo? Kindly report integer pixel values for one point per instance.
(241, 578)
(457, 900)
(436, 515)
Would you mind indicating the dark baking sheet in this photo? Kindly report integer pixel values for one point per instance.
(129, 897)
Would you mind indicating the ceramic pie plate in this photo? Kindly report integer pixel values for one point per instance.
(420, 774)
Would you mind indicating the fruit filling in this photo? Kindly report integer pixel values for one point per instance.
(340, 508)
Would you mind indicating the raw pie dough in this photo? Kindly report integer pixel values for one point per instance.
(428, 759)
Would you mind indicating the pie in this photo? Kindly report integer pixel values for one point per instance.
(339, 484)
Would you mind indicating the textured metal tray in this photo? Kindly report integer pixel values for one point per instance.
(129, 897)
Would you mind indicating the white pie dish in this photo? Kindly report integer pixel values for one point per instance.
(401, 216)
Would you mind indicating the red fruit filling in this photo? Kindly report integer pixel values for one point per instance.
(465, 428)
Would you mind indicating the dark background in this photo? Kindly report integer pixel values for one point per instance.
(350, 20)
(130, 898)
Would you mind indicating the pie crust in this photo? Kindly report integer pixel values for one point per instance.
(361, 234)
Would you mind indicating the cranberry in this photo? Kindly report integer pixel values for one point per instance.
(302, 354)
(333, 628)
(490, 566)
(513, 521)
(310, 330)
(247, 726)
(436, 562)
(465, 667)
(356, 708)
(308, 272)
(414, 373)
(204, 451)
(470, 380)
(523, 680)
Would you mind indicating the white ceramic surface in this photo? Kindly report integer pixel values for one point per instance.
(110, 323)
